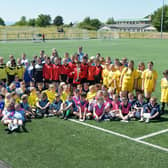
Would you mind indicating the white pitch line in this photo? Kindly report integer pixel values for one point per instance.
(120, 135)
(152, 134)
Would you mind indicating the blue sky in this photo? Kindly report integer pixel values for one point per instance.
(76, 10)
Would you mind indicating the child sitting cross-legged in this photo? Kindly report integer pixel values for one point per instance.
(99, 109)
(19, 118)
(7, 113)
(114, 113)
(137, 108)
(68, 108)
(55, 107)
(43, 105)
(82, 106)
(151, 110)
(125, 110)
(25, 105)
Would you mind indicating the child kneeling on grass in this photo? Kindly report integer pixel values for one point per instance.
(68, 108)
(151, 110)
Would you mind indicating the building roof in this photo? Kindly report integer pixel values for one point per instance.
(120, 26)
(135, 19)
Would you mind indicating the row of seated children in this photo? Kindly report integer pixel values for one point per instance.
(96, 102)
(99, 105)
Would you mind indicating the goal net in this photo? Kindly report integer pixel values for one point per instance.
(37, 38)
(107, 35)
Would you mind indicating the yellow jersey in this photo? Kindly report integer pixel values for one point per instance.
(11, 70)
(164, 90)
(110, 79)
(149, 78)
(91, 95)
(32, 99)
(129, 77)
(64, 96)
(20, 71)
(105, 74)
(3, 74)
(139, 79)
(116, 78)
(51, 95)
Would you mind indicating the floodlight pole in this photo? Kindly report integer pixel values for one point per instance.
(161, 26)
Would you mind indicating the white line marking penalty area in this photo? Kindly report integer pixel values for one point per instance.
(120, 135)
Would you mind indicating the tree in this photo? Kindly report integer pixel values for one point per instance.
(2, 22)
(58, 21)
(22, 21)
(156, 18)
(110, 21)
(43, 20)
(95, 23)
(90, 24)
(32, 22)
(71, 24)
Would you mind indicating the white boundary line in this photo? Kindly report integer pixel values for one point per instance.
(120, 135)
(152, 134)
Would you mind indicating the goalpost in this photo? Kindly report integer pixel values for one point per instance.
(107, 35)
(37, 38)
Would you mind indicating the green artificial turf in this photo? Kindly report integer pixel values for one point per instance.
(54, 143)
(137, 49)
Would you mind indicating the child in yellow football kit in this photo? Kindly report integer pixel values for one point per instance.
(141, 68)
(164, 90)
(149, 79)
(128, 80)
(105, 74)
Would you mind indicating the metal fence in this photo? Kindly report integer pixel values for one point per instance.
(7, 35)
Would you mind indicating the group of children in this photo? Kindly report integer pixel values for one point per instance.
(81, 87)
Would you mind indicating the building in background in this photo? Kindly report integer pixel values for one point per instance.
(130, 25)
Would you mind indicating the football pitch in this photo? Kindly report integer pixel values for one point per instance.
(52, 142)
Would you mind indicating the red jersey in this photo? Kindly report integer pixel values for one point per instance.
(98, 70)
(77, 74)
(84, 70)
(91, 72)
(125, 109)
(56, 72)
(72, 66)
(65, 70)
(47, 71)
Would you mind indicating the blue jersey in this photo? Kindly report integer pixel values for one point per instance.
(148, 108)
(43, 103)
(2, 104)
(19, 115)
(67, 102)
